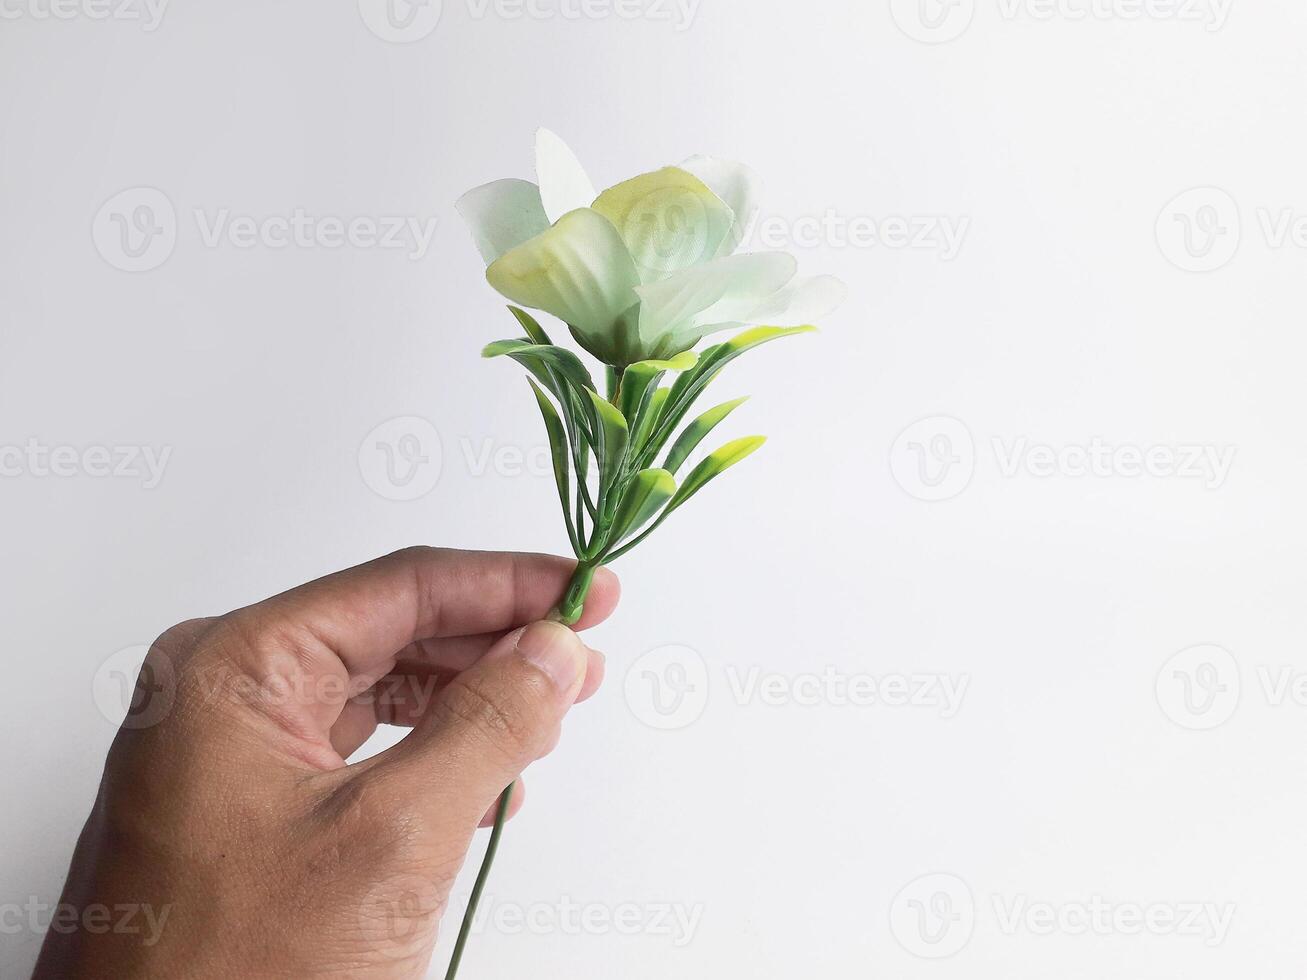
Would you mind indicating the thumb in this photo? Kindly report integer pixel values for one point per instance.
(493, 720)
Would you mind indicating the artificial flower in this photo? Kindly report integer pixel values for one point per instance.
(646, 269)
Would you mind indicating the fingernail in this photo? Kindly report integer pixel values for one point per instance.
(556, 650)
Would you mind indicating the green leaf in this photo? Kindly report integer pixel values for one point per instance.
(567, 364)
(695, 432)
(558, 448)
(712, 465)
(531, 326)
(648, 491)
(653, 410)
(711, 361)
(612, 439)
(640, 377)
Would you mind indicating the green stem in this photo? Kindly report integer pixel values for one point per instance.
(479, 886)
(571, 605)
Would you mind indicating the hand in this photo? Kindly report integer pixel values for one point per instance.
(230, 837)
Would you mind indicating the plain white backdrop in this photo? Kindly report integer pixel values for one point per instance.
(988, 665)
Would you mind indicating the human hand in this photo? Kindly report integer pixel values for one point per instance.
(235, 827)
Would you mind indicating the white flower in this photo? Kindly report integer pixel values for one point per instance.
(647, 268)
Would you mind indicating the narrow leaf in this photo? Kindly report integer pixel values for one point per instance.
(612, 438)
(531, 326)
(712, 465)
(640, 377)
(558, 454)
(648, 418)
(648, 491)
(695, 432)
(711, 361)
(544, 355)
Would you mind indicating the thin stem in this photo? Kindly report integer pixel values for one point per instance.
(479, 886)
(577, 590)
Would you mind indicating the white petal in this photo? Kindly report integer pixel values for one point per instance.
(578, 270)
(735, 184)
(564, 185)
(671, 311)
(669, 220)
(502, 215)
(801, 302)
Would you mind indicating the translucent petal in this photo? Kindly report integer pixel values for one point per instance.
(502, 215)
(726, 289)
(737, 185)
(802, 301)
(564, 185)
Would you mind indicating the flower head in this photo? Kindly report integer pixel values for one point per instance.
(645, 269)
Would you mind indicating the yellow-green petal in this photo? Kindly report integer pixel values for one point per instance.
(669, 220)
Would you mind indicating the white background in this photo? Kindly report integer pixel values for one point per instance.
(1073, 767)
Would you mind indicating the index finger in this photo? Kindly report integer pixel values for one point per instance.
(369, 613)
